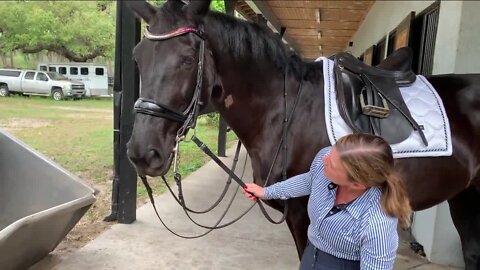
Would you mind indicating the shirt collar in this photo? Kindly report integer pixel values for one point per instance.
(358, 206)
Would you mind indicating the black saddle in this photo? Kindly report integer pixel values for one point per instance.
(369, 99)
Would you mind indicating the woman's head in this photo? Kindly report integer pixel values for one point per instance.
(367, 161)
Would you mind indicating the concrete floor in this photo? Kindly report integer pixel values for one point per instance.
(251, 243)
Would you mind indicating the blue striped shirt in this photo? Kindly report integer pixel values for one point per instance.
(362, 232)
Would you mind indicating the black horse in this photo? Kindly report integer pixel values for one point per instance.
(245, 71)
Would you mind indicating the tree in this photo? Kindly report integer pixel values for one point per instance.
(77, 30)
(218, 5)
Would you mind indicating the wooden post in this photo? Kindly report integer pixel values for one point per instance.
(4, 59)
(11, 59)
(222, 137)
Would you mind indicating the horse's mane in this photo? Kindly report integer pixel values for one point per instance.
(244, 40)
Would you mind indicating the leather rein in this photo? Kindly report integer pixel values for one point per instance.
(188, 120)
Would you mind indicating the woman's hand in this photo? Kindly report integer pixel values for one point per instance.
(254, 189)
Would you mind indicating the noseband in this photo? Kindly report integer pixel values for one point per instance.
(189, 116)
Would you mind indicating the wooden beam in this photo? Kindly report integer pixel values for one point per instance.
(261, 20)
(230, 6)
(261, 6)
(245, 10)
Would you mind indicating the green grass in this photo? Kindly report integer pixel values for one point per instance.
(78, 135)
(75, 134)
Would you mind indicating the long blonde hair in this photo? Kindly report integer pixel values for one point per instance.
(368, 160)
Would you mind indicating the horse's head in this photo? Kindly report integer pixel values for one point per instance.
(176, 72)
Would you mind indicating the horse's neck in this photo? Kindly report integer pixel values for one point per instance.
(250, 92)
(256, 112)
(252, 103)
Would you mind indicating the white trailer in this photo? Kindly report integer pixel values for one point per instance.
(94, 76)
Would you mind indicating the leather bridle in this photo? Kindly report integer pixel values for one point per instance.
(188, 118)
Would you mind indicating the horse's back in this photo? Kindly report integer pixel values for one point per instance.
(460, 94)
(441, 178)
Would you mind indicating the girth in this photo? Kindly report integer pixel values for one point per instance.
(369, 99)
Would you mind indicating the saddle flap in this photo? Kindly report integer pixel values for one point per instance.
(352, 89)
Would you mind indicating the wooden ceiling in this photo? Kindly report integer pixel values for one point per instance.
(313, 28)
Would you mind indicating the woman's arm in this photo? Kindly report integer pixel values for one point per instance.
(296, 186)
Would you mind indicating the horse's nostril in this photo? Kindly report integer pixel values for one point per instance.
(154, 158)
(132, 157)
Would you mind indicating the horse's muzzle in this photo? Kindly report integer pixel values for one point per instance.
(148, 162)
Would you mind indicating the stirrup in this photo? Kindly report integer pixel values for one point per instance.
(375, 111)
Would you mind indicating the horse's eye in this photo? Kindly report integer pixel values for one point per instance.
(188, 60)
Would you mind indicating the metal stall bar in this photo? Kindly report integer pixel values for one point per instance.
(222, 126)
(126, 91)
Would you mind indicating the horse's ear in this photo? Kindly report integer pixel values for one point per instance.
(142, 10)
(198, 8)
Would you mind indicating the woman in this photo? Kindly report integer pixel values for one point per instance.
(356, 201)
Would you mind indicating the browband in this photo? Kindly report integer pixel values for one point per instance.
(176, 33)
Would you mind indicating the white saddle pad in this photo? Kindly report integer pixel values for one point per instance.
(424, 104)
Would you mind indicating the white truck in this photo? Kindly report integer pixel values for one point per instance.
(41, 83)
